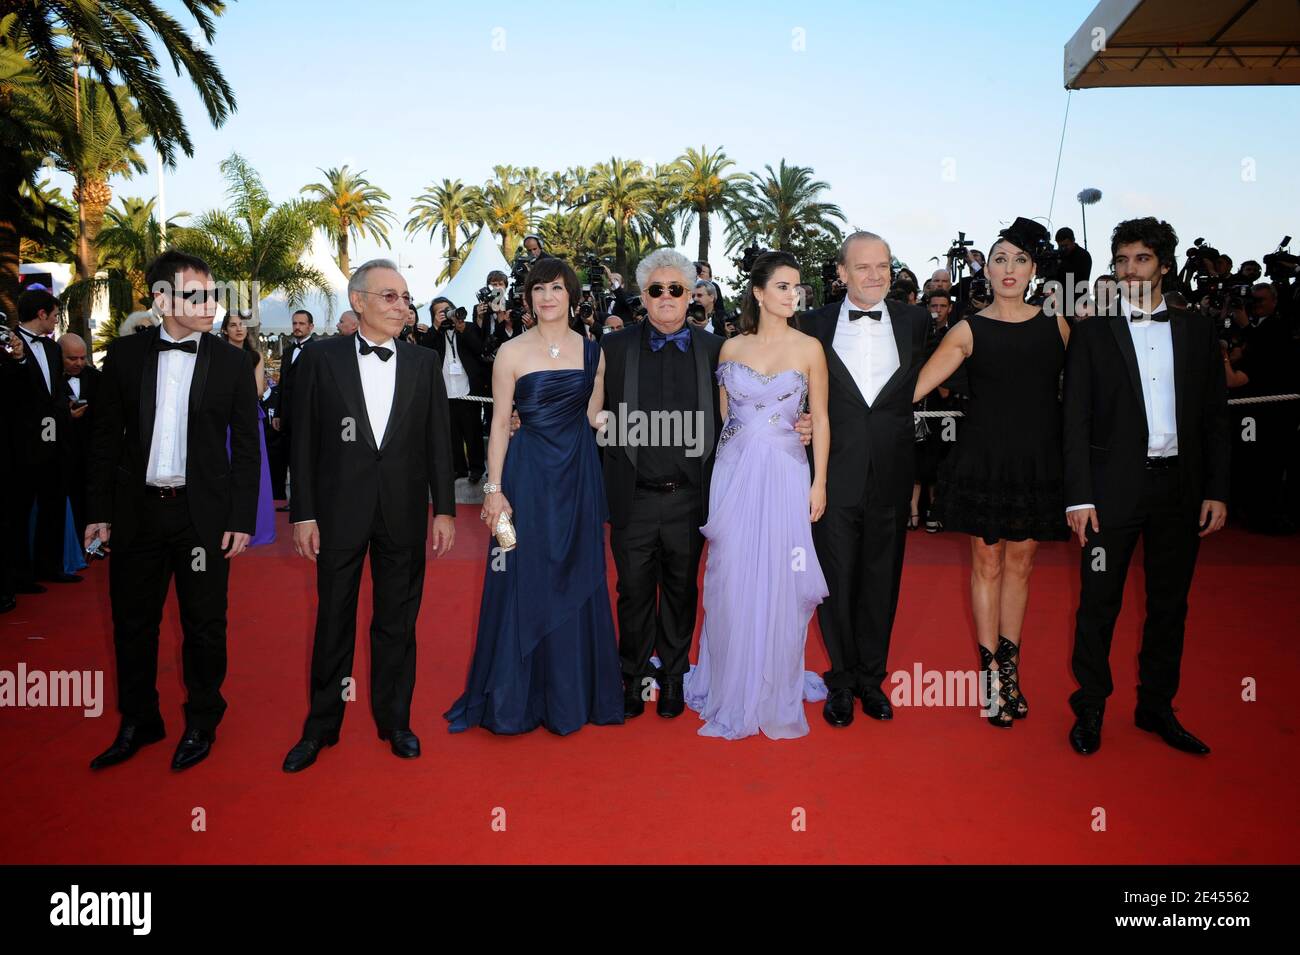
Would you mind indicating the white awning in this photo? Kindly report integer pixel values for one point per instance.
(1186, 43)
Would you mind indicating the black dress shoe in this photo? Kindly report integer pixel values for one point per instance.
(1085, 735)
(876, 705)
(304, 752)
(30, 587)
(838, 710)
(633, 701)
(403, 742)
(193, 748)
(63, 579)
(130, 737)
(1167, 727)
(672, 697)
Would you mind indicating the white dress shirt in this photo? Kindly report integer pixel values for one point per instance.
(74, 384)
(454, 376)
(1154, 344)
(170, 445)
(37, 350)
(867, 348)
(378, 382)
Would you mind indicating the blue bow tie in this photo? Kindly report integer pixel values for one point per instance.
(681, 338)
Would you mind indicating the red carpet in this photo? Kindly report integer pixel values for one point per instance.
(936, 785)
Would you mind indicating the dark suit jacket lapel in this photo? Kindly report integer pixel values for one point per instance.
(403, 386)
(202, 362)
(148, 394)
(348, 372)
(632, 380)
(706, 386)
(900, 324)
(823, 326)
(1178, 332)
(1119, 328)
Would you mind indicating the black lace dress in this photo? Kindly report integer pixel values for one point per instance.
(1003, 480)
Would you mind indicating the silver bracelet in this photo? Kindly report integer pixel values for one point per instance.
(490, 488)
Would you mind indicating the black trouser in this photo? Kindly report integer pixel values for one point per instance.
(860, 550)
(397, 579)
(466, 433)
(45, 558)
(1168, 527)
(139, 574)
(277, 454)
(657, 554)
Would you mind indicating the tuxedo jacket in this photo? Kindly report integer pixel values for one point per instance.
(220, 487)
(82, 428)
(41, 404)
(288, 369)
(469, 347)
(873, 439)
(1105, 436)
(623, 355)
(341, 473)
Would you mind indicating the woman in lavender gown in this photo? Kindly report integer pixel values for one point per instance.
(236, 330)
(762, 580)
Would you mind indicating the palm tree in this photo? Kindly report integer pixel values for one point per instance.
(503, 207)
(99, 143)
(255, 246)
(705, 187)
(781, 205)
(556, 188)
(348, 206)
(530, 177)
(619, 192)
(451, 207)
(49, 224)
(132, 236)
(115, 40)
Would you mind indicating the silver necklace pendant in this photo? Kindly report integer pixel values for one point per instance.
(554, 350)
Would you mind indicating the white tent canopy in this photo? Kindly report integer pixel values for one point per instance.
(1186, 43)
(275, 309)
(484, 256)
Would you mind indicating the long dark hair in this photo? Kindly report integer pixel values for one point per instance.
(759, 276)
(248, 333)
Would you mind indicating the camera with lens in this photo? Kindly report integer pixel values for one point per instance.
(980, 290)
(695, 312)
(449, 318)
(519, 269)
(749, 256)
(486, 294)
(1282, 265)
(959, 247)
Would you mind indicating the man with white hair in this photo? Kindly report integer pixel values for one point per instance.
(660, 370)
(348, 322)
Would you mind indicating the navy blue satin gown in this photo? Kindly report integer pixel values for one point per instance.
(546, 652)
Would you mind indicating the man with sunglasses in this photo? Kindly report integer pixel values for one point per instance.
(170, 500)
(658, 494)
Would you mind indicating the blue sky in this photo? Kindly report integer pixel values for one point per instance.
(883, 100)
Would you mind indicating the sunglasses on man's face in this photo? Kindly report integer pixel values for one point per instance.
(656, 289)
(197, 296)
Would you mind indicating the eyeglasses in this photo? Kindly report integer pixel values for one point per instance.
(390, 297)
(676, 290)
(197, 296)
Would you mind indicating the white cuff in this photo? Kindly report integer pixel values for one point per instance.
(1078, 507)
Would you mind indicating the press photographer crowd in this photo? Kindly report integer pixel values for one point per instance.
(48, 381)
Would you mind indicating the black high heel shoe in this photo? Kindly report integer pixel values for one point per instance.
(1001, 716)
(1008, 657)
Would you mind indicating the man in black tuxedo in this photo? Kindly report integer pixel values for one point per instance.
(658, 495)
(459, 345)
(371, 448)
(46, 429)
(303, 325)
(80, 384)
(1146, 454)
(874, 351)
(176, 503)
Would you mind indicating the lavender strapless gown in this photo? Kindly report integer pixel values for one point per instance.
(762, 580)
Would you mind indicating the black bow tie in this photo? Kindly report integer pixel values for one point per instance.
(191, 347)
(854, 314)
(383, 353)
(1157, 317)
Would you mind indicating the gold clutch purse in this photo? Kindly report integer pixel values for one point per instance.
(505, 533)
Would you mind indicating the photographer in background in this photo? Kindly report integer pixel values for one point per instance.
(1073, 268)
(491, 305)
(704, 271)
(705, 311)
(459, 343)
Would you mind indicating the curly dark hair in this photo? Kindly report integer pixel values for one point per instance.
(1156, 234)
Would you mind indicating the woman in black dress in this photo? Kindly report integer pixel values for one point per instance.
(1002, 483)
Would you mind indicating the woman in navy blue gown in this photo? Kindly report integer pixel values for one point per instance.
(546, 652)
